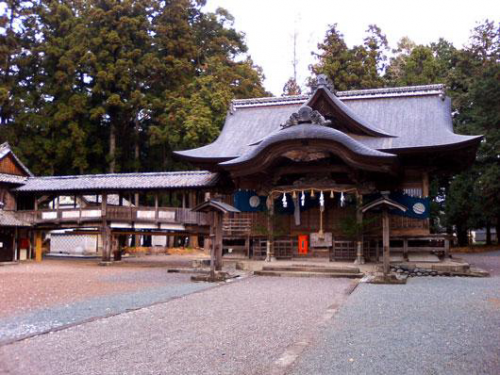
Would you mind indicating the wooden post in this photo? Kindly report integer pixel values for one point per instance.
(218, 241)
(106, 243)
(212, 243)
(386, 241)
(425, 184)
(192, 199)
(156, 206)
(270, 230)
(193, 241)
(360, 259)
(38, 246)
(104, 204)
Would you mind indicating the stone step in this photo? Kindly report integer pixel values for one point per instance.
(349, 275)
(310, 268)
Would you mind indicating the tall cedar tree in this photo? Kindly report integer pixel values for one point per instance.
(106, 85)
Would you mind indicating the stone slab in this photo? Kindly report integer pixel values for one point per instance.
(423, 257)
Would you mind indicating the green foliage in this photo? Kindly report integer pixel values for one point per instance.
(107, 85)
(352, 68)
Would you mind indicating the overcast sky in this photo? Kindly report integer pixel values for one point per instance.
(270, 24)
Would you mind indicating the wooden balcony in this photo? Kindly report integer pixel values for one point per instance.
(167, 215)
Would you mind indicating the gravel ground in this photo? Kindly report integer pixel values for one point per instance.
(238, 328)
(35, 298)
(28, 287)
(487, 261)
(429, 326)
(45, 319)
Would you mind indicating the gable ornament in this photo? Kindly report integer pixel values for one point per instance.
(306, 115)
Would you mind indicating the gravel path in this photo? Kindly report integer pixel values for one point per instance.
(239, 328)
(429, 326)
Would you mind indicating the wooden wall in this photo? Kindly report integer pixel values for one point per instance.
(9, 165)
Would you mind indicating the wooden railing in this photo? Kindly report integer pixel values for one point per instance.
(236, 226)
(116, 213)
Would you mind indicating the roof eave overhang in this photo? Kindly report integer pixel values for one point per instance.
(384, 163)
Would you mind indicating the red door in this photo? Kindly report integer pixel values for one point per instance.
(303, 244)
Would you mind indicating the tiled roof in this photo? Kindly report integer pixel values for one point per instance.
(9, 219)
(12, 179)
(417, 117)
(386, 92)
(121, 181)
(312, 132)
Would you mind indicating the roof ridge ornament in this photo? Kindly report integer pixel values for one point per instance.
(322, 80)
(306, 115)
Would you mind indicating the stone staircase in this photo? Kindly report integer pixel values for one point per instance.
(309, 270)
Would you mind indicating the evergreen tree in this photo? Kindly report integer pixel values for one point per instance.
(108, 85)
(359, 67)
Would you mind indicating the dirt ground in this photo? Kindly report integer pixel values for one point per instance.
(28, 286)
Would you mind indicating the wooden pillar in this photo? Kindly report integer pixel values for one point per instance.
(360, 259)
(192, 199)
(156, 206)
(104, 204)
(207, 243)
(171, 241)
(270, 230)
(183, 200)
(218, 241)
(386, 241)
(193, 241)
(106, 243)
(38, 246)
(425, 184)
(213, 223)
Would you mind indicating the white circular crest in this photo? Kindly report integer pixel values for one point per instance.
(254, 201)
(419, 208)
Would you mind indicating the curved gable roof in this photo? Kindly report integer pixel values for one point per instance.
(410, 118)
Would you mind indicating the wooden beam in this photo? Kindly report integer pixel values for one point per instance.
(293, 169)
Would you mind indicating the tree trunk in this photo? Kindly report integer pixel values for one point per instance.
(136, 145)
(497, 227)
(488, 233)
(462, 237)
(112, 148)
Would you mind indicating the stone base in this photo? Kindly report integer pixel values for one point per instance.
(218, 276)
(382, 279)
(359, 261)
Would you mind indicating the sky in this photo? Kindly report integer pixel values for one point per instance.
(269, 26)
